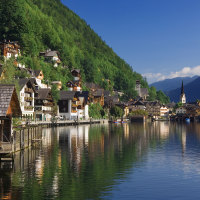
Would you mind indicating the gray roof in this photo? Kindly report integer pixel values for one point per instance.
(22, 82)
(6, 94)
(106, 93)
(138, 103)
(98, 93)
(67, 95)
(92, 86)
(51, 53)
(43, 93)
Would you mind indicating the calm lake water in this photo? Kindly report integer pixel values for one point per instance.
(158, 160)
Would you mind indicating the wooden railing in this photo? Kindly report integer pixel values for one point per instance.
(28, 98)
(28, 107)
(29, 90)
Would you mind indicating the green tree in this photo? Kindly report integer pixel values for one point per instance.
(116, 111)
(96, 111)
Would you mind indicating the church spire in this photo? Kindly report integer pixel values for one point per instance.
(182, 88)
(182, 96)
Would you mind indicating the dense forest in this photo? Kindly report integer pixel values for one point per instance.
(42, 24)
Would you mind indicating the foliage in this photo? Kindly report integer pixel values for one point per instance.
(162, 97)
(9, 74)
(116, 111)
(178, 105)
(96, 111)
(157, 95)
(55, 93)
(37, 27)
(138, 112)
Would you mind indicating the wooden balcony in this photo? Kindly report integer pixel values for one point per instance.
(28, 108)
(28, 90)
(28, 98)
(48, 104)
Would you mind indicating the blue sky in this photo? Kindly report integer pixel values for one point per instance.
(158, 38)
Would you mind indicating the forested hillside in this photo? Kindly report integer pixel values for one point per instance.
(42, 24)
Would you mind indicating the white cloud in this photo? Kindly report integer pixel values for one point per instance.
(186, 71)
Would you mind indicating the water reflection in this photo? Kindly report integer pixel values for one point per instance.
(88, 162)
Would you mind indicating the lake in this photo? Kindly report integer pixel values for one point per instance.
(155, 160)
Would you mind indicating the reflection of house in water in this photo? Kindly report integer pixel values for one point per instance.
(164, 130)
(126, 131)
(183, 140)
(76, 139)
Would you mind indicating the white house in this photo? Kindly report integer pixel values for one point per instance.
(181, 110)
(164, 111)
(27, 96)
(51, 56)
(73, 105)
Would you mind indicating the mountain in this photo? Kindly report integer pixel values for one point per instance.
(39, 25)
(172, 84)
(192, 91)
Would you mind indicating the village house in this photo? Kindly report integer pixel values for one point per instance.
(38, 76)
(9, 107)
(181, 110)
(164, 111)
(109, 99)
(138, 105)
(73, 105)
(153, 108)
(51, 56)
(124, 106)
(97, 96)
(9, 49)
(27, 93)
(76, 84)
(44, 104)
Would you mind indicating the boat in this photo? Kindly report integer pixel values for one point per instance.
(187, 119)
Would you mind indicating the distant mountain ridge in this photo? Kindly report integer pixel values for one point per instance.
(192, 91)
(172, 84)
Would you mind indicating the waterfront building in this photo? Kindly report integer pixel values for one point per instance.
(97, 96)
(9, 107)
(44, 104)
(182, 96)
(153, 108)
(73, 105)
(138, 105)
(26, 96)
(181, 110)
(164, 111)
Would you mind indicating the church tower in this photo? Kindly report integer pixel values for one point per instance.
(138, 87)
(182, 96)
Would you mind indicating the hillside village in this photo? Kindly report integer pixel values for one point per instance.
(44, 101)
